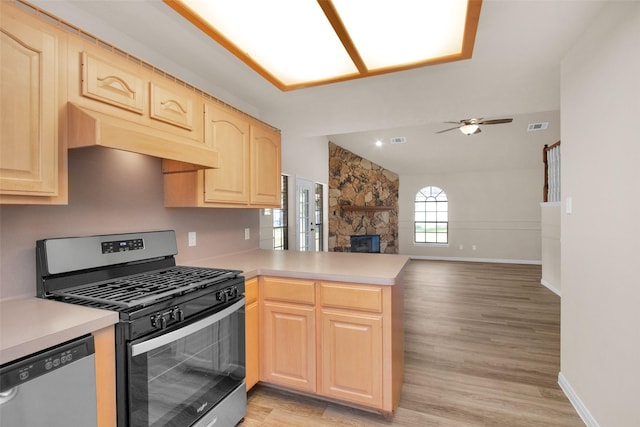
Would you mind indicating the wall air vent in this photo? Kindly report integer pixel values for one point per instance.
(537, 126)
(398, 140)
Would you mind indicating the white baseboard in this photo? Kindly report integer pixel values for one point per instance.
(499, 261)
(549, 286)
(580, 408)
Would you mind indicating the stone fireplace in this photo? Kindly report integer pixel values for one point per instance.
(363, 200)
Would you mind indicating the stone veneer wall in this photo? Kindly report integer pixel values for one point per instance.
(358, 182)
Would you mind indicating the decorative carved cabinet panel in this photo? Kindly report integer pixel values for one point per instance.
(111, 84)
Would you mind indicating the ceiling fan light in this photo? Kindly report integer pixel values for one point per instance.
(469, 129)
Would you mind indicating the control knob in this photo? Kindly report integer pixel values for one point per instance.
(177, 314)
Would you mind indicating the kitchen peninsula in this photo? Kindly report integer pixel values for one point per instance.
(327, 324)
(322, 323)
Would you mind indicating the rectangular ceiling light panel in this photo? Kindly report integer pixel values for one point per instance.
(401, 32)
(291, 39)
(300, 43)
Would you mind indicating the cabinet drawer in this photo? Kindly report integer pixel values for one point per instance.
(170, 106)
(351, 297)
(281, 289)
(112, 85)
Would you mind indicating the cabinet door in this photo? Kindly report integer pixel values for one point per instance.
(265, 166)
(228, 133)
(29, 105)
(351, 348)
(288, 351)
(252, 325)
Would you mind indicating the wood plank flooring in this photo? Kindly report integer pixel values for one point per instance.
(482, 348)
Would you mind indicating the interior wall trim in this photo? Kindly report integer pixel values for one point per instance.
(577, 403)
(550, 286)
(495, 260)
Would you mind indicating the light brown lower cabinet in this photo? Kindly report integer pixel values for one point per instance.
(105, 357)
(351, 362)
(288, 344)
(341, 341)
(252, 326)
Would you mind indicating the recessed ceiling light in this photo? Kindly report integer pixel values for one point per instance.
(378, 143)
(301, 43)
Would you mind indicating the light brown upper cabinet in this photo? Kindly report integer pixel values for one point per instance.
(228, 132)
(121, 103)
(249, 169)
(33, 162)
(265, 166)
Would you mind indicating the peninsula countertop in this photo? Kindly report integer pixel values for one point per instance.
(376, 269)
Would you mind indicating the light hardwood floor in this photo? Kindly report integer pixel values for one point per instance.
(482, 348)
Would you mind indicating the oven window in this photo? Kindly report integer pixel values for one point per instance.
(177, 382)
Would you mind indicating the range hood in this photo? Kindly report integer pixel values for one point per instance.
(88, 128)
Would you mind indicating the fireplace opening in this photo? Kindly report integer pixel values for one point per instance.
(369, 243)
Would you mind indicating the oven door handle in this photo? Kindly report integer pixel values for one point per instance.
(172, 336)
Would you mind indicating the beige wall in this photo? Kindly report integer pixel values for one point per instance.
(114, 191)
(497, 211)
(600, 325)
(550, 250)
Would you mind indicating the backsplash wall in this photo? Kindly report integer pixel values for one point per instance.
(356, 181)
(113, 191)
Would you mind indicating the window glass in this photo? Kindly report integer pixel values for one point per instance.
(431, 216)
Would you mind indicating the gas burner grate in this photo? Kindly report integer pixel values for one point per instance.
(146, 288)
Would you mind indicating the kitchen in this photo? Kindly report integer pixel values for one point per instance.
(100, 184)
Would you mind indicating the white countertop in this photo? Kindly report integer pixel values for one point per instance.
(30, 324)
(377, 269)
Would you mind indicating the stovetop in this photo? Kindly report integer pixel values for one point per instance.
(146, 288)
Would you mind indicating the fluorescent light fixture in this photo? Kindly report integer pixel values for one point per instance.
(301, 43)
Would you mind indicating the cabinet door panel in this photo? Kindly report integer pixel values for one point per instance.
(352, 357)
(265, 166)
(29, 140)
(288, 353)
(229, 134)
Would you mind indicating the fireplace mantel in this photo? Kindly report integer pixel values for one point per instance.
(366, 208)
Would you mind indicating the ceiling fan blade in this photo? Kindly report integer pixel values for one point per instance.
(447, 130)
(495, 121)
(477, 131)
(460, 122)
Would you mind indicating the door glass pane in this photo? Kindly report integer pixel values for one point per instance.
(303, 220)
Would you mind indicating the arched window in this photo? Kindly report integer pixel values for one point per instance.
(431, 216)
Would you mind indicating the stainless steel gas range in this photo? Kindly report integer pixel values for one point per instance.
(180, 343)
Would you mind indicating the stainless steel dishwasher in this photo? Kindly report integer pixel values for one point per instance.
(53, 388)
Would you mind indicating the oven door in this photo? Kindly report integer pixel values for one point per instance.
(177, 377)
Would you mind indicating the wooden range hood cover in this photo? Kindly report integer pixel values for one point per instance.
(88, 128)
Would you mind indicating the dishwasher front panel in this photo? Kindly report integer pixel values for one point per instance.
(54, 388)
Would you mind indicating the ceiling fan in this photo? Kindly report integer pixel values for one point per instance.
(472, 126)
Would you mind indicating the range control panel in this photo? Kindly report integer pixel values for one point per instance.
(30, 367)
(122, 246)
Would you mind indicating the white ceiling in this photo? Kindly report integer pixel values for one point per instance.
(514, 72)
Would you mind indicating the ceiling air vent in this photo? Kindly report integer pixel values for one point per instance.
(537, 126)
(398, 140)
